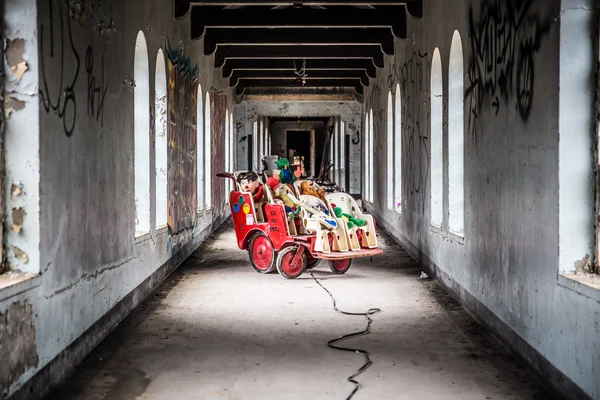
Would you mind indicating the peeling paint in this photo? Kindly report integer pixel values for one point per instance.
(18, 214)
(17, 344)
(14, 57)
(16, 190)
(12, 105)
(20, 254)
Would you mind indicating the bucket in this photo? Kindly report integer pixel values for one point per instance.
(269, 162)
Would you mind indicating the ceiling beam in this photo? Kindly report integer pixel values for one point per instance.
(315, 74)
(225, 52)
(232, 65)
(250, 36)
(292, 83)
(265, 17)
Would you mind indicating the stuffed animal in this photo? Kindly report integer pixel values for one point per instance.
(280, 193)
(285, 175)
(350, 220)
(249, 183)
(307, 187)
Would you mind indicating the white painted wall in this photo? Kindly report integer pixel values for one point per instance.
(78, 185)
(528, 190)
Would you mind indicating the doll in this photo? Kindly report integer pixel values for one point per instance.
(280, 193)
(249, 183)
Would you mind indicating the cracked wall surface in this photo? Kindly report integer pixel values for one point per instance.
(521, 106)
(17, 344)
(69, 182)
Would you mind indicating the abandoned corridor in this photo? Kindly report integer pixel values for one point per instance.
(216, 329)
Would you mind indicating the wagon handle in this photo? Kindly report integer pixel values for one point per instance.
(227, 175)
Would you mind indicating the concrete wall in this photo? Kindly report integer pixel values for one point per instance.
(70, 161)
(350, 112)
(529, 85)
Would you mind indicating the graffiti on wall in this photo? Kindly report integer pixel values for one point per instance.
(218, 106)
(505, 37)
(59, 95)
(415, 81)
(182, 93)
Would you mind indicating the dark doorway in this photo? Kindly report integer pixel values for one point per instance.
(298, 142)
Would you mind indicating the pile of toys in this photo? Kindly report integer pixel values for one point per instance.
(290, 223)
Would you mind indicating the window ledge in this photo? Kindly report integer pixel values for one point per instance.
(587, 285)
(456, 237)
(12, 284)
(142, 238)
(436, 229)
(162, 230)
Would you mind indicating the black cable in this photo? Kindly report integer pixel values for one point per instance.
(367, 330)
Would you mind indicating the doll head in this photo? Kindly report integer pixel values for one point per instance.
(248, 181)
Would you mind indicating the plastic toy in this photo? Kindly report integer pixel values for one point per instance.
(291, 245)
(285, 176)
(350, 220)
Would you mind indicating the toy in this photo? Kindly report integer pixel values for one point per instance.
(276, 242)
(285, 175)
(350, 220)
(249, 183)
(280, 193)
(308, 188)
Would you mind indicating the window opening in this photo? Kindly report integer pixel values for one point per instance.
(141, 124)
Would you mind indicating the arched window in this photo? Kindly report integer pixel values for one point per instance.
(200, 149)
(161, 143)
(371, 155)
(336, 152)
(207, 155)
(254, 165)
(227, 150)
(390, 153)
(366, 166)
(232, 141)
(437, 98)
(398, 151)
(141, 125)
(343, 156)
(456, 142)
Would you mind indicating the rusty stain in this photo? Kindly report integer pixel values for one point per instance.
(18, 214)
(20, 254)
(17, 344)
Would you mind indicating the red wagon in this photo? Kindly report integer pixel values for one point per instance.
(273, 242)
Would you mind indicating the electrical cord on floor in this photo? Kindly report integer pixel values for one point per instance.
(367, 330)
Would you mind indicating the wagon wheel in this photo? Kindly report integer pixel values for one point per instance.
(340, 267)
(284, 263)
(262, 254)
(313, 263)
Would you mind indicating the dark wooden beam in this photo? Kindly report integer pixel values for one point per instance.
(335, 36)
(273, 3)
(265, 17)
(292, 83)
(232, 65)
(226, 52)
(315, 74)
(181, 8)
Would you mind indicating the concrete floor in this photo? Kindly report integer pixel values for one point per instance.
(218, 330)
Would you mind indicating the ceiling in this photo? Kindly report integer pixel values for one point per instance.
(266, 46)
